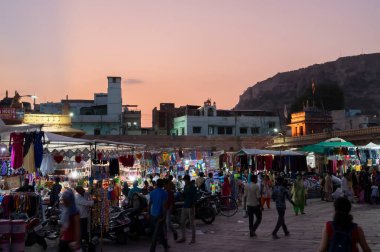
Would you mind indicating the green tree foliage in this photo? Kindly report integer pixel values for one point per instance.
(328, 96)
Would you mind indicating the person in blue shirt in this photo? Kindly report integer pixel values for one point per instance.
(188, 210)
(279, 195)
(157, 203)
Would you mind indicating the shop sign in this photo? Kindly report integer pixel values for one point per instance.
(7, 113)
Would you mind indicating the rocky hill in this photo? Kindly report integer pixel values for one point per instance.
(358, 76)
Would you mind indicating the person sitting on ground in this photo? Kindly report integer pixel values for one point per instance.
(342, 234)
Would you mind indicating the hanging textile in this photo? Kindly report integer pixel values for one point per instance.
(47, 164)
(29, 162)
(114, 167)
(38, 148)
(16, 141)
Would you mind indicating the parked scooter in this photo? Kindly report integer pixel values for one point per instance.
(118, 228)
(35, 233)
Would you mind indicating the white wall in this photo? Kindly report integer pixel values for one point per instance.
(188, 122)
(114, 103)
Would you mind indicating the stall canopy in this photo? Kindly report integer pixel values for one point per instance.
(328, 144)
(58, 141)
(254, 152)
(21, 127)
(371, 146)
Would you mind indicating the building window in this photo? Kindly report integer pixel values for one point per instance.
(182, 131)
(243, 131)
(301, 130)
(228, 130)
(210, 112)
(255, 130)
(271, 125)
(221, 131)
(197, 130)
(210, 130)
(97, 132)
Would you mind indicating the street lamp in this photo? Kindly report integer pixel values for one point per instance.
(71, 114)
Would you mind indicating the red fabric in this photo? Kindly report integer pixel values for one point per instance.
(69, 232)
(58, 158)
(100, 156)
(226, 188)
(268, 162)
(355, 235)
(78, 159)
(17, 149)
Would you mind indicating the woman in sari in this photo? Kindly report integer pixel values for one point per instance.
(298, 195)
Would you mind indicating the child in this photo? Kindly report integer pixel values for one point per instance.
(375, 194)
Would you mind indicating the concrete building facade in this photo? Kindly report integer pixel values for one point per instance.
(209, 121)
(349, 119)
(104, 115)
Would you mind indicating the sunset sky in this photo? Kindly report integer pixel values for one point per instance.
(181, 51)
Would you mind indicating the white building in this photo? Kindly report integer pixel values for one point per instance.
(101, 116)
(348, 119)
(208, 121)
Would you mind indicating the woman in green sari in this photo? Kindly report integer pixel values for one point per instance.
(298, 195)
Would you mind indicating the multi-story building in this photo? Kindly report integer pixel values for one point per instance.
(210, 121)
(163, 119)
(103, 115)
(347, 119)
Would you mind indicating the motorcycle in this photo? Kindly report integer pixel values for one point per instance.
(35, 233)
(140, 225)
(51, 226)
(118, 228)
(203, 210)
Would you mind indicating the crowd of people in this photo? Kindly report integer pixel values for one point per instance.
(360, 187)
(256, 194)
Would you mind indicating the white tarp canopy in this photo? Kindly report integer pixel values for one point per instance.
(12, 128)
(59, 141)
(268, 152)
(371, 146)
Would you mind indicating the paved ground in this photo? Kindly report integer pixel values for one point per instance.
(231, 234)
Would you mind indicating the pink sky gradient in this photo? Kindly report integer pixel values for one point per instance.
(180, 51)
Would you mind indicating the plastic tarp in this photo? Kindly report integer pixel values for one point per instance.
(55, 139)
(328, 144)
(371, 146)
(21, 127)
(254, 152)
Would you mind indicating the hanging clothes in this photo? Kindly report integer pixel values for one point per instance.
(29, 162)
(47, 164)
(38, 148)
(114, 167)
(16, 140)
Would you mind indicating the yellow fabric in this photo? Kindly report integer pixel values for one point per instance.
(29, 164)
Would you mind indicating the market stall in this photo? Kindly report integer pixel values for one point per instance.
(270, 160)
(334, 155)
(369, 155)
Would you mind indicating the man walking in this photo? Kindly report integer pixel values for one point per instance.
(188, 210)
(280, 193)
(157, 207)
(83, 204)
(252, 203)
